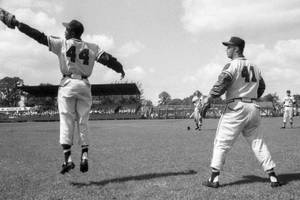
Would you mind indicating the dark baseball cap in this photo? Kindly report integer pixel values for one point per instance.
(288, 91)
(235, 41)
(75, 26)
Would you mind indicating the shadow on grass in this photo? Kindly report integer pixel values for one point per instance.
(134, 178)
(283, 178)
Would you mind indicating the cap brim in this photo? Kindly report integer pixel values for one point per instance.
(65, 24)
(227, 43)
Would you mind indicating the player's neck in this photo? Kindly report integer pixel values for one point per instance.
(237, 55)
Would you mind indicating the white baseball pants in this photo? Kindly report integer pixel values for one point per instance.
(288, 114)
(197, 117)
(244, 118)
(74, 103)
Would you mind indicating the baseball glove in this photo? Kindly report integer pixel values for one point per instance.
(8, 19)
(204, 109)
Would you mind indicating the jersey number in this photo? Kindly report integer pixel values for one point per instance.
(83, 55)
(246, 74)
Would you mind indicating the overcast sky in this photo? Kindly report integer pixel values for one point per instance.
(166, 45)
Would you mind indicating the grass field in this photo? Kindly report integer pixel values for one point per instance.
(143, 159)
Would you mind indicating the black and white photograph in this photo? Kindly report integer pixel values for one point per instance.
(149, 100)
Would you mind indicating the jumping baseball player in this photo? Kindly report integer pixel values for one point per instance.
(76, 60)
(288, 109)
(242, 83)
(197, 102)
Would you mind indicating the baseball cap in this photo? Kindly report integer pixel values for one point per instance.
(288, 91)
(75, 26)
(235, 41)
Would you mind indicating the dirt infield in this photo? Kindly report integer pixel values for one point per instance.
(143, 159)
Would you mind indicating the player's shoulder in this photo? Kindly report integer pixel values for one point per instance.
(55, 38)
(91, 45)
(195, 98)
(226, 66)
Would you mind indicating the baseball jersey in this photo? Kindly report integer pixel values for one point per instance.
(288, 101)
(245, 78)
(197, 101)
(75, 56)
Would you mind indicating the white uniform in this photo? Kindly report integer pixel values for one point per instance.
(288, 104)
(197, 101)
(241, 115)
(76, 59)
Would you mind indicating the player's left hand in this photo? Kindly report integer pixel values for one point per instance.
(206, 105)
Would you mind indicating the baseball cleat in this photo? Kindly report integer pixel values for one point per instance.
(275, 184)
(208, 183)
(84, 165)
(283, 127)
(66, 167)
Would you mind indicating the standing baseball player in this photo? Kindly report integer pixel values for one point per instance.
(242, 82)
(288, 109)
(76, 59)
(197, 102)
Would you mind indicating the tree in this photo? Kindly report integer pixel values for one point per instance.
(274, 98)
(271, 97)
(10, 94)
(164, 98)
(188, 100)
(146, 102)
(175, 102)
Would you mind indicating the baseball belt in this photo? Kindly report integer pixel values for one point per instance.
(242, 99)
(75, 76)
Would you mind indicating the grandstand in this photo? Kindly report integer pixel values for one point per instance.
(99, 111)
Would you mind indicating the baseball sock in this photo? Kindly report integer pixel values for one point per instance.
(84, 151)
(272, 175)
(214, 175)
(67, 152)
(284, 124)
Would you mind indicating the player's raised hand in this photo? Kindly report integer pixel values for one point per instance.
(8, 19)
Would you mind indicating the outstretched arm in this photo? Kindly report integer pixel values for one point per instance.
(111, 62)
(10, 21)
(33, 33)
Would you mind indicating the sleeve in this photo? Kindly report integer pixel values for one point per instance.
(229, 69)
(224, 80)
(261, 87)
(99, 52)
(55, 44)
(33, 33)
(111, 62)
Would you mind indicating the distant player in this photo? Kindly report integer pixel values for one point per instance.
(243, 84)
(197, 102)
(288, 109)
(76, 60)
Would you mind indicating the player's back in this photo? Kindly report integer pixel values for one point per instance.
(80, 56)
(75, 56)
(245, 79)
